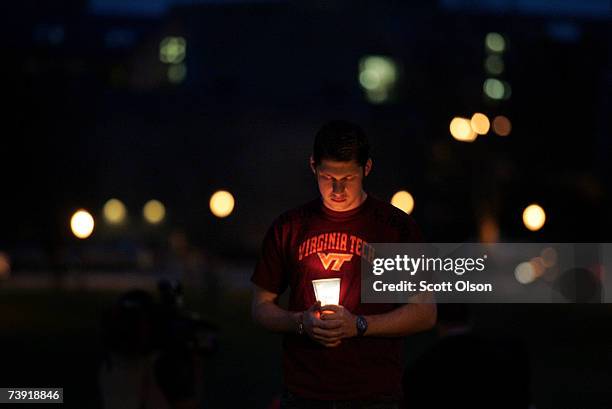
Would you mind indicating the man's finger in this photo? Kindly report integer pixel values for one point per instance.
(337, 333)
(333, 344)
(326, 340)
(323, 340)
(329, 316)
(328, 324)
(327, 337)
(331, 307)
(326, 333)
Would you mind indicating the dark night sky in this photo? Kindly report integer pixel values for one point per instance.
(87, 122)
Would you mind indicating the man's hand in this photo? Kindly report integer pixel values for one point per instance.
(325, 332)
(343, 319)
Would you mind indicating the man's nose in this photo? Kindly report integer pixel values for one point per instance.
(338, 187)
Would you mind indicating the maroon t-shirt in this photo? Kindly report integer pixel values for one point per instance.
(314, 242)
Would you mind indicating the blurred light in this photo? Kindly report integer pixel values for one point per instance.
(494, 88)
(534, 217)
(494, 64)
(114, 211)
(480, 123)
(377, 97)
(154, 211)
(461, 130)
(377, 75)
(403, 201)
(82, 224)
(172, 50)
(222, 203)
(369, 79)
(489, 230)
(549, 257)
(5, 266)
(495, 43)
(502, 125)
(177, 73)
(524, 273)
(538, 266)
(377, 72)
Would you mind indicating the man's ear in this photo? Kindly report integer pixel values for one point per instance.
(367, 168)
(312, 165)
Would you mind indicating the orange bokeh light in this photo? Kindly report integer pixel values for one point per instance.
(502, 125)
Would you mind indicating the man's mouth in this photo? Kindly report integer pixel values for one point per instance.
(338, 199)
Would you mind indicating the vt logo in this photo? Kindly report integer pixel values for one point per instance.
(337, 258)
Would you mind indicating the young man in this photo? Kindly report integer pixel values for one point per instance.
(348, 355)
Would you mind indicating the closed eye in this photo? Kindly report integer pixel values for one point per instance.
(344, 179)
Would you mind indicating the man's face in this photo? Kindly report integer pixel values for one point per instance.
(341, 183)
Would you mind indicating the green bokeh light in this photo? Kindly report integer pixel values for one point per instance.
(495, 43)
(172, 50)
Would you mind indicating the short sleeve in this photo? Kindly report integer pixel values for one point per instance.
(270, 273)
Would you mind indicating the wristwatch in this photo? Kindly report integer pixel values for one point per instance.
(362, 325)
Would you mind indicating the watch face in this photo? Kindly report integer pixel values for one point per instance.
(362, 324)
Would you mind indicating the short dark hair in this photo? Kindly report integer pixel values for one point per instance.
(341, 141)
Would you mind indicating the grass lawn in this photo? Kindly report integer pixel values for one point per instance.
(51, 338)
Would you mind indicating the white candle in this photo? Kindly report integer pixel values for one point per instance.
(327, 290)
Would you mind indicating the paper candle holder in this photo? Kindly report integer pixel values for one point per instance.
(327, 290)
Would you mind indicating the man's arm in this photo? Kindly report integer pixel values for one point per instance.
(267, 313)
(419, 315)
(404, 320)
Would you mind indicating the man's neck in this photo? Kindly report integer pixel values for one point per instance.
(363, 198)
